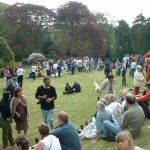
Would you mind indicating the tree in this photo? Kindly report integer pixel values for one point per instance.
(26, 24)
(36, 57)
(76, 25)
(123, 39)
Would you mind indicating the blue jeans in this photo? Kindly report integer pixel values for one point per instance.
(110, 128)
(48, 117)
(132, 72)
(55, 71)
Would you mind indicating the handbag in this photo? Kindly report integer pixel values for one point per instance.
(18, 119)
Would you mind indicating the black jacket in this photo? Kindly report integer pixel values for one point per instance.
(5, 108)
(50, 92)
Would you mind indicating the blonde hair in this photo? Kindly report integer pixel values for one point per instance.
(123, 136)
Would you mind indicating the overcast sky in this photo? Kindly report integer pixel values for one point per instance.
(117, 9)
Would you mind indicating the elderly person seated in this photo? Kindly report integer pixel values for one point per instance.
(48, 142)
(101, 116)
(132, 121)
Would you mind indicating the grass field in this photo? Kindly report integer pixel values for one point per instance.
(79, 106)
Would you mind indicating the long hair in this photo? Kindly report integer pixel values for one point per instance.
(123, 136)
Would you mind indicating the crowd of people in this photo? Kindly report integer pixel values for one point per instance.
(116, 118)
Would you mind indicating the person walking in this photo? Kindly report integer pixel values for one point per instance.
(46, 95)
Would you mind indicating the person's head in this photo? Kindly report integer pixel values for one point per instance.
(111, 98)
(74, 82)
(6, 67)
(6, 95)
(147, 60)
(110, 77)
(14, 79)
(67, 84)
(147, 86)
(21, 143)
(130, 99)
(124, 93)
(124, 141)
(19, 66)
(18, 92)
(100, 106)
(62, 117)
(139, 68)
(47, 81)
(10, 82)
(43, 130)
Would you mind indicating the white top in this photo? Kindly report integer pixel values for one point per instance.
(33, 68)
(51, 143)
(138, 78)
(55, 65)
(133, 64)
(137, 148)
(20, 71)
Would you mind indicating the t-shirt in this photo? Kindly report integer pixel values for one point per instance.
(55, 66)
(33, 68)
(51, 143)
(137, 148)
(20, 72)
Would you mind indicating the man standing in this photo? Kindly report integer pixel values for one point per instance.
(20, 73)
(66, 132)
(47, 94)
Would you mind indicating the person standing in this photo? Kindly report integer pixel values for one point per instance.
(138, 79)
(47, 66)
(20, 110)
(6, 120)
(33, 69)
(107, 68)
(107, 86)
(123, 75)
(47, 94)
(55, 66)
(7, 76)
(20, 73)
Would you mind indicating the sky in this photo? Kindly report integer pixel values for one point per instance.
(115, 9)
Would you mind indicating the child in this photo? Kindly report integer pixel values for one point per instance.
(125, 141)
(15, 82)
(124, 75)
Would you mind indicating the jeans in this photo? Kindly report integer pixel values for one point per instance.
(55, 71)
(144, 106)
(48, 72)
(107, 71)
(48, 117)
(124, 81)
(132, 72)
(20, 80)
(110, 128)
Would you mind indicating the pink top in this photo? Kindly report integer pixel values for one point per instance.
(6, 73)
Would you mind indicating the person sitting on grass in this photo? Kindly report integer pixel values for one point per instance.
(68, 89)
(66, 132)
(48, 142)
(133, 119)
(21, 143)
(101, 116)
(76, 87)
(124, 141)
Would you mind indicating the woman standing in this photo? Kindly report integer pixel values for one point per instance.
(20, 110)
(138, 79)
(6, 120)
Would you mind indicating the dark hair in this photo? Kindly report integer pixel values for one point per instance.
(147, 84)
(130, 98)
(43, 130)
(22, 141)
(110, 76)
(17, 90)
(6, 95)
(67, 84)
(46, 78)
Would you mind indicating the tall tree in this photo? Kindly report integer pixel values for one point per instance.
(26, 24)
(123, 39)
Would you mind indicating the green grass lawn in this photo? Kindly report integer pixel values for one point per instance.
(79, 106)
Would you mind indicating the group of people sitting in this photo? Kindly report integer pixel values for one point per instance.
(116, 115)
(75, 88)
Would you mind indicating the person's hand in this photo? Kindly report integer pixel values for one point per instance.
(18, 115)
(44, 97)
(94, 142)
(49, 100)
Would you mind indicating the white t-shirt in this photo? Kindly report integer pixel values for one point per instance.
(33, 68)
(133, 64)
(20, 71)
(55, 66)
(51, 143)
(137, 148)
